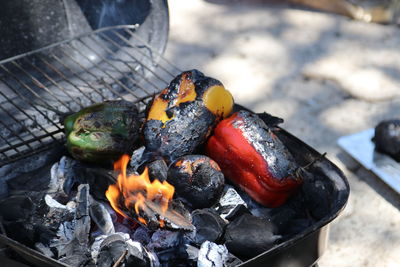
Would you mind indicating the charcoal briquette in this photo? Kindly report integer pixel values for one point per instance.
(209, 225)
(23, 212)
(248, 236)
(162, 239)
(142, 235)
(317, 197)
(158, 169)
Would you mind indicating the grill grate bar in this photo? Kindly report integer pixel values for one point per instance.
(31, 140)
(125, 62)
(22, 84)
(6, 140)
(134, 58)
(39, 84)
(17, 134)
(108, 75)
(67, 80)
(16, 157)
(130, 68)
(146, 44)
(18, 122)
(27, 115)
(39, 88)
(87, 71)
(30, 103)
(57, 85)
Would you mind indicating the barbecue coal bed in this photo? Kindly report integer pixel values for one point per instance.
(38, 89)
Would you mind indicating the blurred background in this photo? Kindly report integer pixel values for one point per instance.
(326, 75)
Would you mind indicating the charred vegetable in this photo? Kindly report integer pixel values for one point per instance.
(102, 132)
(253, 157)
(387, 138)
(197, 179)
(182, 116)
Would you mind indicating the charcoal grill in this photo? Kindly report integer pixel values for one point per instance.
(38, 88)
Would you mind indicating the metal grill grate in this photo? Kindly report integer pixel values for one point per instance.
(38, 87)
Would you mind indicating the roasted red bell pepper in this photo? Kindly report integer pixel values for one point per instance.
(253, 157)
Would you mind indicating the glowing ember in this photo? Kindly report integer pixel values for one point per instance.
(135, 190)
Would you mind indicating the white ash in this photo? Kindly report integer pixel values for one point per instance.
(64, 175)
(192, 252)
(71, 205)
(80, 258)
(98, 243)
(231, 197)
(104, 245)
(154, 261)
(58, 174)
(101, 217)
(60, 216)
(95, 248)
(229, 203)
(212, 255)
(73, 236)
(137, 158)
(134, 245)
(82, 215)
(65, 235)
(54, 185)
(54, 204)
(44, 250)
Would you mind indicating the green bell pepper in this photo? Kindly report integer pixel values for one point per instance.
(102, 132)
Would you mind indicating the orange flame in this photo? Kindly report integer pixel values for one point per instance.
(135, 190)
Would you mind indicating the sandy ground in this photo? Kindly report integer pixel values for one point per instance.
(327, 76)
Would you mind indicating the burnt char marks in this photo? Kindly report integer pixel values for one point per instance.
(180, 136)
(280, 162)
(179, 120)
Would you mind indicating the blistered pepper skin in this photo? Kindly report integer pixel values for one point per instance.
(102, 132)
(251, 156)
(183, 115)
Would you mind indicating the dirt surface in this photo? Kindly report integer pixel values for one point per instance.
(327, 76)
